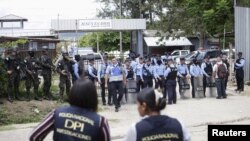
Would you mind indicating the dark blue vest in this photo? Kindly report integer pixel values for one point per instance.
(76, 124)
(173, 74)
(159, 128)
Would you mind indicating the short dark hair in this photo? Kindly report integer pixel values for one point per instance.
(83, 94)
(182, 59)
(148, 96)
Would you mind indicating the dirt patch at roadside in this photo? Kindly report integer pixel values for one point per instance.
(25, 112)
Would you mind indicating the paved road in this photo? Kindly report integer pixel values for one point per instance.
(196, 114)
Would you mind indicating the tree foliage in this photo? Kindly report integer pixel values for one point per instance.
(9, 44)
(195, 17)
(108, 41)
(243, 3)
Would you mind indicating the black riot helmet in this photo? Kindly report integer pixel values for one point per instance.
(77, 57)
(31, 53)
(65, 55)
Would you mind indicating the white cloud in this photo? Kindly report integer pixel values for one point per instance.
(40, 12)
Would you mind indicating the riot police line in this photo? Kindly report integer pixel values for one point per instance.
(162, 73)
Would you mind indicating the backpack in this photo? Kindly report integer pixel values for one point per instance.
(222, 71)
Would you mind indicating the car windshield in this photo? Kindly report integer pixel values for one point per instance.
(191, 55)
(201, 56)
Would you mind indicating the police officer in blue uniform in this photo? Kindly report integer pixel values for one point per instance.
(153, 125)
(238, 67)
(207, 70)
(78, 69)
(182, 73)
(148, 72)
(195, 72)
(92, 72)
(110, 96)
(129, 72)
(101, 78)
(116, 76)
(159, 74)
(139, 74)
(171, 74)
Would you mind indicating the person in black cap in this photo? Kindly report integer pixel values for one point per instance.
(182, 73)
(195, 72)
(153, 125)
(207, 70)
(170, 75)
(148, 72)
(238, 66)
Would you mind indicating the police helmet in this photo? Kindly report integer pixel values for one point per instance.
(240, 53)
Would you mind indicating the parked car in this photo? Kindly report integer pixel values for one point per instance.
(179, 54)
(199, 56)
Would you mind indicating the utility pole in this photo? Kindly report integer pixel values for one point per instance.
(120, 31)
(97, 42)
(224, 37)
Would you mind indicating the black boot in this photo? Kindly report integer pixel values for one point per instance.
(10, 99)
(28, 95)
(17, 97)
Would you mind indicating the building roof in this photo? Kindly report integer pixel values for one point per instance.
(155, 33)
(8, 38)
(12, 17)
(160, 41)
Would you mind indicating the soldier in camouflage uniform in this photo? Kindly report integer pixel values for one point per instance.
(31, 69)
(63, 68)
(47, 67)
(13, 71)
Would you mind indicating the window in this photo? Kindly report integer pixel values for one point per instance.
(200, 56)
(11, 24)
(184, 53)
(52, 46)
(176, 54)
(213, 54)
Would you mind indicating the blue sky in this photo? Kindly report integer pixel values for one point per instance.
(40, 12)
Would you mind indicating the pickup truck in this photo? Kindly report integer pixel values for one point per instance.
(179, 54)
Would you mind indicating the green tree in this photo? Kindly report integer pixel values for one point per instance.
(197, 17)
(201, 18)
(130, 9)
(243, 3)
(108, 41)
(9, 44)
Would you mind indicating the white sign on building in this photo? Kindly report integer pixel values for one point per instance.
(95, 24)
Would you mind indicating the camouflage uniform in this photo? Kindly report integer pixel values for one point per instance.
(31, 68)
(47, 67)
(64, 71)
(13, 69)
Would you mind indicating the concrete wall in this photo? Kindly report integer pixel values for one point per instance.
(242, 36)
